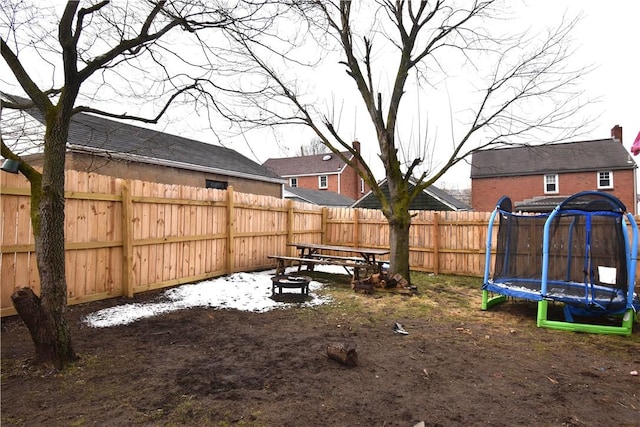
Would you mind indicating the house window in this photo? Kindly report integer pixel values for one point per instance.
(361, 185)
(293, 182)
(218, 185)
(551, 184)
(323, 182)
(605, 179)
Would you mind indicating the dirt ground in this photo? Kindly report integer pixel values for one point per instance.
(457, 366)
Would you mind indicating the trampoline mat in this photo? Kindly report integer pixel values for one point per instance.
(572, 293)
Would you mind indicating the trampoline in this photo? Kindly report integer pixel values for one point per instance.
(582, 254)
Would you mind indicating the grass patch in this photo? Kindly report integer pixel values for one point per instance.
(446, 297)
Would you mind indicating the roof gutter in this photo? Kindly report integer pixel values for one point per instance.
(310, 174)
(527, 173)
(171, 163)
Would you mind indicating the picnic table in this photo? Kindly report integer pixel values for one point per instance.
(310, 254)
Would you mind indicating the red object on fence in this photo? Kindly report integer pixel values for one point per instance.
(635, 148)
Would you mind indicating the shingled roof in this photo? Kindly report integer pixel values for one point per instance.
(307, 165)
(100, 135)
(317, 197)
(595, 155)
(432, 198)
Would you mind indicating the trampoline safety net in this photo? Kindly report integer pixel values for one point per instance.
(586, 253)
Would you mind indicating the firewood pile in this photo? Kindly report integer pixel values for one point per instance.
(384, 283)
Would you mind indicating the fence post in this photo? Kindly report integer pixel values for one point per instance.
(290, 226)
(127, 240)
(323, 233)
(436, 243)
(230, 230)
(356, 226)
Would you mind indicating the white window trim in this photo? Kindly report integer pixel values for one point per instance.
(326, 182)
(361, 185)
(557, 182)
(605, 187)
(293, 182)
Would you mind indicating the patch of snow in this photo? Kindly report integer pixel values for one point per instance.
(240, 291)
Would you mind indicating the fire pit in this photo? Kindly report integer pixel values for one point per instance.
(280, 282)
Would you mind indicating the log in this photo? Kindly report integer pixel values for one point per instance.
(362, 285)
(375, 279)
(401, 282)
(343, 353)
(397, 281)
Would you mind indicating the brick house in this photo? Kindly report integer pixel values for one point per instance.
(536, 178)
(324, 172)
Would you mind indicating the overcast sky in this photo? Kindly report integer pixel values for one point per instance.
(607, 37)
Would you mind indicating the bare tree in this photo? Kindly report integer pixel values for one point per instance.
(399, 54)
(90, 56)
(315, 146)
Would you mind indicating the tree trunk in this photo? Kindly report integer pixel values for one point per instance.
(50, 335)
(399, 244)
(45, 315)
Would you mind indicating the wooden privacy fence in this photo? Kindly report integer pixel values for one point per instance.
(128, 236)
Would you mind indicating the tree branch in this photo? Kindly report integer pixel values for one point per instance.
(82, 13)
(38, 97)
(27, 170)
(131, 45)
(125, 116)
(68, 43)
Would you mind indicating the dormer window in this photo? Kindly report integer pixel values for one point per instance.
(605, 180)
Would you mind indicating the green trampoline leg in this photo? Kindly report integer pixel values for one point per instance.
(624, 329)
(542, 312)
(488, 302)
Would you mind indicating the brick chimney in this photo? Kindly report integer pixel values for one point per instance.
(356, 144)
(616, 133)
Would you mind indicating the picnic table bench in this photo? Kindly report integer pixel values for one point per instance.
(309, 262)
(310, 255)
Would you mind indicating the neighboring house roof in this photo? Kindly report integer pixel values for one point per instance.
(317, 197)
(102, 136)
(581, 156)
(544, 204)
(432, 198)
(539, 204)
(317, 164)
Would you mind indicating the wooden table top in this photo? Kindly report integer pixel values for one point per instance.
(369, 251)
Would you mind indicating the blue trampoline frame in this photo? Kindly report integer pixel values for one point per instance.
(584, 299)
